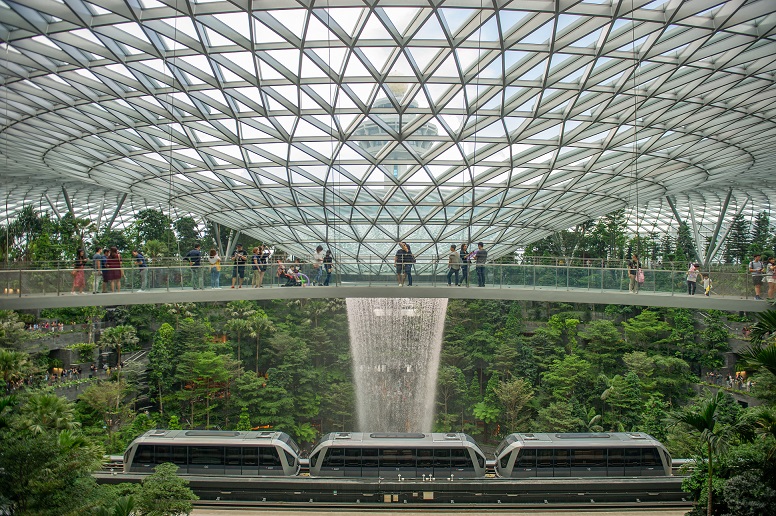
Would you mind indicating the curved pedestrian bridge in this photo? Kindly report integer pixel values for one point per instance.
(31, 289)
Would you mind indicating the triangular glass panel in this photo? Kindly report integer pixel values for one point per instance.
(374, 30)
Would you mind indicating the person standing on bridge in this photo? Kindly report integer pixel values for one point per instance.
(692, 279)
(633, 269)
(454, 265)
(398, 261)
(98, 262)
(142, 265)
(756, 268)
(79, 278)
(481, 258)
(215, 269)
(194, 257)
(318, 257)
(328, 264)
(239, 258)
(465, 261)
(770, 276)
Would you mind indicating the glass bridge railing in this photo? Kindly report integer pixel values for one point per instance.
(51, 282)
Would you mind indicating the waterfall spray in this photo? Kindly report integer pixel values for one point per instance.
(395, 344)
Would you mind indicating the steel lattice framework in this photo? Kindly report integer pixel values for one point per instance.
(358, 123)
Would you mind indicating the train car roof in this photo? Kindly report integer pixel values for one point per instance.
(397, 439)
(554, 440)
(212, 437)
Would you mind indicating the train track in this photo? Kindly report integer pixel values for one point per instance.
(497, 493)
(490, 507)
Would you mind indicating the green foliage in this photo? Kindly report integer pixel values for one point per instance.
(12, 333)
(165, 494)
(244, 423)
(119, 338)
(567, 378)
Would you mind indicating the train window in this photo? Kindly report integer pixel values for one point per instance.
(353, 457)
(425, 458)
(616, 458)
(442, 458)
(587, 458)
(210, 455)
(460, 459)
(144, 454)
(290, 459)
(268, 456)
(389, 458)
(233, 456)
(480, 459)
(163, 454)
(179, 454)
(633, 457)
(506, 442)
(562, 458)
(370, 457)
(544, 458)
(505, 460)
(335, 458)
(406, 458)
(526, 459)
(650, 457)
(287, 439)
(250, 456)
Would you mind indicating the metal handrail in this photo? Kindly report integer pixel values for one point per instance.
(433, 272)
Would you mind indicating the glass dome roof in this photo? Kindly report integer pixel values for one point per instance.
(358, 123)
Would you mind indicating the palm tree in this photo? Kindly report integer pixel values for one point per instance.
(765, 326)
(178, 310)
(259, 325)
(237, 327)
(758, 356)
(118, 338)
(12, 367)
(703, 420)
(46, 411)
(765, 426)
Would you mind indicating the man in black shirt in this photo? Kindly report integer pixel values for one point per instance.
(194, 257)
(481, 257)
(239, 258)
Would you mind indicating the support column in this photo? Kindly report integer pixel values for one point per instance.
(67, 201)
(116, 213)
(710, 252)
(53, 206)
(726, 232)
(679, 220)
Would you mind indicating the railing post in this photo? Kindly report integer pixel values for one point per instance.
(602, 276)
(20, 283)
(534, 275)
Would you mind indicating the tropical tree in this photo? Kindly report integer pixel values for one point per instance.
(165, 494)
(259, 325)
(119, 337)
(13, 365)
(45, 411)
(123, 506)
(514, 395)
(161, 368)
(239, 313)
(764, 419)
(108, 399)
(180, 311)
(12, 332)
(702, 420)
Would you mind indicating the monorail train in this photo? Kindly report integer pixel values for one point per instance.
(214, 452)
(581, 455)
(394, 455)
